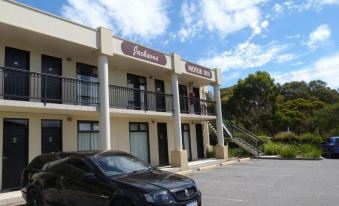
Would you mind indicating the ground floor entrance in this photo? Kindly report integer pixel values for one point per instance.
(26, 135)
(15, 147)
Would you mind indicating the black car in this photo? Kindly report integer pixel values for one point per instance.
(109, 178)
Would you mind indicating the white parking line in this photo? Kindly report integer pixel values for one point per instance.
(220, 198)
(239, 183)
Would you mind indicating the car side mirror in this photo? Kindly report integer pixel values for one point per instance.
(89, 177)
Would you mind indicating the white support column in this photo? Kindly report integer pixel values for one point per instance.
(221, 150)
(104, 141)
(176, 112)
(220, 134)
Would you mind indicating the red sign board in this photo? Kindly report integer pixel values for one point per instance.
(144, 53)
(198, 70)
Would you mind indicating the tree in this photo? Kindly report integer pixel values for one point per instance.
(253, 102)
(320, 90)
(328, 120)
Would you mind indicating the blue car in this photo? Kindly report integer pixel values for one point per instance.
(331, 147)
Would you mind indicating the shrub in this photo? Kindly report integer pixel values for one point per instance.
(309, 138)
(288, 151)
(265, 138)
(310, 151)
(286, 137)
(237, 152)
(271, 148)
(210, 153)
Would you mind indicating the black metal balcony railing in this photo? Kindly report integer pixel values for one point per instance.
(130, 98)
(190, 105)
(17, 84)
(24, 85)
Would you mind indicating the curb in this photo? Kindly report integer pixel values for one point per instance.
(287, 158)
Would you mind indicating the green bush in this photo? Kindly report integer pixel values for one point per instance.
(237, 152)
(288, 151)
(210, 153)
(265, 138)
(309, 138)
(310, 151)
(272, 148)
(286, 137)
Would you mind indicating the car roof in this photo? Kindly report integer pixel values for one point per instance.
(84, 154)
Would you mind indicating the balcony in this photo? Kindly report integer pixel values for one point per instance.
(190, 105)
(24, 85)
(136, 99)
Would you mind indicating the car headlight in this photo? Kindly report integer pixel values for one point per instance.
(163, 196)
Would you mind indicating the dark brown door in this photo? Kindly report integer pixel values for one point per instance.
(183, 99)
(186, 140)
(15, 152)
(16, 74)
(162, 144)
(200, 141)
(51, 136)
(51, 81)
(160, 95)
(137, 93)
(197, 109)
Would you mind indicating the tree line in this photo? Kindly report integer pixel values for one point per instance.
(265, 107)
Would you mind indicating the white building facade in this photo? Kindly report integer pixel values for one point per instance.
(67, 87)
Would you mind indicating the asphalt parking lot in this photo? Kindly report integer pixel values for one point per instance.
(271, 182)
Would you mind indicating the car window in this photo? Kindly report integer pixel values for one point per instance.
(77, 167)
(58, 166)
(337, 141)
(119, 164)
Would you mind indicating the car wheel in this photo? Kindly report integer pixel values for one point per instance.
(123, 202)
(34, 198)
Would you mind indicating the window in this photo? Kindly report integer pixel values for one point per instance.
(138, 133)
(77, 167)
(88, 135)
(119, 164)
(87, 87)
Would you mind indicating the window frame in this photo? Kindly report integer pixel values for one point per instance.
(140, 130)
(86, 131)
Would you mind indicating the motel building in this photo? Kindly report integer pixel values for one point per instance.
(68, 87)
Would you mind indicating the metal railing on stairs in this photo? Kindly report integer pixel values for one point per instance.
(240, 136)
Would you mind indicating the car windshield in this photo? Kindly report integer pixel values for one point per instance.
(120, 164)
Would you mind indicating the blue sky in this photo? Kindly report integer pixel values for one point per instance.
(292, 40)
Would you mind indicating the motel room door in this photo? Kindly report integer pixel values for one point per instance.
(15, 152)
(162, 144)
(52, 81)
(51, 136)
(16, 77)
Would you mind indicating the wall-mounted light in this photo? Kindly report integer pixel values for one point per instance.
(150, 77)
(153, 121)
(69, 118)
(69, 59)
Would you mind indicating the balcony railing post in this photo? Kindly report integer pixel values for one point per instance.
(45, 89)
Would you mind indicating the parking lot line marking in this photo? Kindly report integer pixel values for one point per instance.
(220, 198)
(240, 183)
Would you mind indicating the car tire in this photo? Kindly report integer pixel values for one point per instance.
(123, 202)
(34, 198)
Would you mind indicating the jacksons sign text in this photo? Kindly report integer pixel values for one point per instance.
(144, 53)
(198, 70)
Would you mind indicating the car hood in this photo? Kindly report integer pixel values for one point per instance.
(154, 180)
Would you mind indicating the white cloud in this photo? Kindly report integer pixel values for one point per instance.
(285, 58)
(146, 19)
(248, 55)
(319, 35)
(302, 5)
(221, 16)
(326, 69)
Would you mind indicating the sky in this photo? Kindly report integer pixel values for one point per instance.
(293, 40)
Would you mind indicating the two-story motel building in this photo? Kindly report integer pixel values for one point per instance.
(67, 87)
